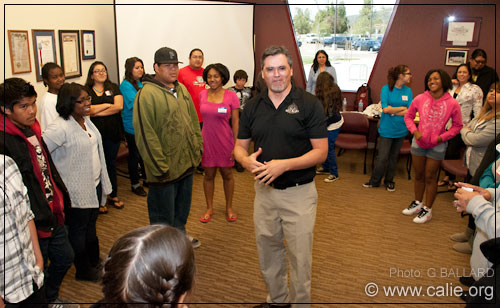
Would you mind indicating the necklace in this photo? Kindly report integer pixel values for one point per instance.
(97, 90)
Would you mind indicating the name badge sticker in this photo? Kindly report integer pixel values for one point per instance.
(404, 98)
(222, 110)
(108, 93)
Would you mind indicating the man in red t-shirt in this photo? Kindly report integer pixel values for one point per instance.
(191, 76)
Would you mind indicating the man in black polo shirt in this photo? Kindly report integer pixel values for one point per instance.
(288, 127)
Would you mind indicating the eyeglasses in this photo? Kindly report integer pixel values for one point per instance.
(86, 99)
(479, 61)
(99, 71)
(409, 73)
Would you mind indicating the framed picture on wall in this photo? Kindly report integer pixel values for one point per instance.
(461, 32)
(69, 44)
(455, 56)
(44, 49)
(88, 44)
(19, 51)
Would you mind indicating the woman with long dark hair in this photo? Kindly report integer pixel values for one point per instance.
(435, 107)
(134, 71)
(396, 98)
(329, 94)
(76, 148)
(107, 104)
(470, 98)
(320, 64)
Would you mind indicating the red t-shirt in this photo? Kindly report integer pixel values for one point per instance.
(193, 81)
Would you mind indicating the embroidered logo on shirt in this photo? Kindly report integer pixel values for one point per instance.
(292, 109)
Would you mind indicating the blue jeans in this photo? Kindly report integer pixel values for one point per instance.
(58, 250)
(170, 203)
(110, 148)
(386, 160)
(134, 160)
(331, 160)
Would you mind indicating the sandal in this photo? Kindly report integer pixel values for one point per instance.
(206, 217)
(115, 202)
(231, 217)
(103, 210)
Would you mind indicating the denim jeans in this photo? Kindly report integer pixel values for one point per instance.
(134, 160)
(58, 250)
(331, 160)
(110, 148)
(387, 158)
(170, 203)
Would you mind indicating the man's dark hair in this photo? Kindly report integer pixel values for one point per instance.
(276, 50)
(46, 68)
(478, 53)
(221, 69)
(240, 74)
(66, 98)
(195, 49)
(13, 90)
(445, 79)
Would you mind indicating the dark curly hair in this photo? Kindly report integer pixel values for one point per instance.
(221, 69)
(393, 74)
(152, 266)
(445, 79)
(328, 93)
(66, 99)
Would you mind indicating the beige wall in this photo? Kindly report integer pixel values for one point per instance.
(61, 17)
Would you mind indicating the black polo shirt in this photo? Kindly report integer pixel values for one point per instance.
(284, 132)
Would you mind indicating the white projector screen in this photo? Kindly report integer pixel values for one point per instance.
(224, 31)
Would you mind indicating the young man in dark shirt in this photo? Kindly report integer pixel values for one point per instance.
(20, 138)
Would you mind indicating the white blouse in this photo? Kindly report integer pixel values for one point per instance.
(470, 99)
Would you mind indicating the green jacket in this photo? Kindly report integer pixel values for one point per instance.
(167, 132)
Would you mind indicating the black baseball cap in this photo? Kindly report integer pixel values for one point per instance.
(166, 55)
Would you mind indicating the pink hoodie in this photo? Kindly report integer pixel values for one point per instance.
(434, 114)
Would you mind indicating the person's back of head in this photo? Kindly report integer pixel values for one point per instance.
(151, 266)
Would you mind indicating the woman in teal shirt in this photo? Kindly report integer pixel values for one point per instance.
(134, 70)
(396, 98)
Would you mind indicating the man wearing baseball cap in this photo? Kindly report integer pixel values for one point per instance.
(169, 140)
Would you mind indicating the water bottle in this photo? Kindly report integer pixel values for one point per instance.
(344, 104)
(360, 106)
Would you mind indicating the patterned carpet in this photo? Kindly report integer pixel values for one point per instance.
(361, 237)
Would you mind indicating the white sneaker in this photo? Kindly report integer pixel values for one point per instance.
(331, 178)
(194, 241)
(414, 207)
(424, 216)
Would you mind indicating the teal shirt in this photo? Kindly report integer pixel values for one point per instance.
(128, 92)
(393, 126)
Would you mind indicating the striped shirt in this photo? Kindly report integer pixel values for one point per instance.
(19, 269)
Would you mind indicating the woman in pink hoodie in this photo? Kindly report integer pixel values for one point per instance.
(435, 107)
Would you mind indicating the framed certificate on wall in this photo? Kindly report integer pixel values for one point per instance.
(19, 51)
(69, 44)
(88, 44)
(44, 49)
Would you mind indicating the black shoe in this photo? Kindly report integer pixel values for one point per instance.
(92, 275)
(139, 190)
(390, 186)
(200, 170)
(467, 280)
(268, 305)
